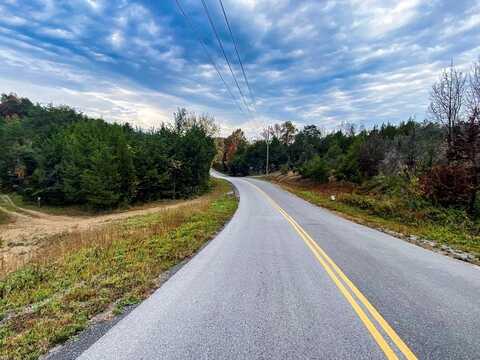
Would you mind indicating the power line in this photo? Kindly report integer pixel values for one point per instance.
(207, 52)
(236, 51)
(224, 53)
(252, 97)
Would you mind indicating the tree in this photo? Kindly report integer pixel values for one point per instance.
(473, 92)
(68, 158)
(371, 153)
(184, 120)
(447, 101)
(315, 169)
(287, 133)
(231, 145)
(467, 151)
(12, 105)
(305, 145)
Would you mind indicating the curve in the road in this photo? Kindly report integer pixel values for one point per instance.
(257, 292)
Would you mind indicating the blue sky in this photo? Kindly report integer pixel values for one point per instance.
(308, 61)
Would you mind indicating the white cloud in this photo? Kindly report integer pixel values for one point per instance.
(116, 39)
(57, 33)
(307, 61)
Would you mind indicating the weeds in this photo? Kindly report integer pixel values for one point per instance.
(82, 274)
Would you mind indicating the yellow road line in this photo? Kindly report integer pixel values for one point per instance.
(333, 270)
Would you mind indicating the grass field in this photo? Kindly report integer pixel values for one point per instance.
(449, 227)
(85, 274)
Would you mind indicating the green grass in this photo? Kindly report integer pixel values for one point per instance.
(53, 298)
(70, 210)
(4, 218)
(445, 226)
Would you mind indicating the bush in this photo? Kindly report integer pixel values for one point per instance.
(284, 169)
(386, 208)
(315, 169)
(447, 185)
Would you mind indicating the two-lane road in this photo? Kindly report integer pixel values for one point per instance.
(288, 280)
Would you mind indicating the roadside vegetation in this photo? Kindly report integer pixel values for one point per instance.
(81, 275)
(4, 218)
(420, 178)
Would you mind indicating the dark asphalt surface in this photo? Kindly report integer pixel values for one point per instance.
(258, 292)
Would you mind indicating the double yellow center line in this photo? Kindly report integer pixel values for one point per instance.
(351, 293)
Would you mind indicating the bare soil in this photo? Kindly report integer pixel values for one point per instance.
(30, 229)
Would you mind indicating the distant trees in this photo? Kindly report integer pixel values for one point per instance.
(66, 158)
(439, 157)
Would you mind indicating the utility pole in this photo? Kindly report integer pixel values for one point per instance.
(268, 150)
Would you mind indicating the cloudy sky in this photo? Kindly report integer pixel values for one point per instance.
(309, 61)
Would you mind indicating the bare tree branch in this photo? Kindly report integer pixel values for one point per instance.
(448, 99)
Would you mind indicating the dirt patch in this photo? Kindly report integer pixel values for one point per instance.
(30, 229)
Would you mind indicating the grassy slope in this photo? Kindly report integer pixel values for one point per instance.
(50, 300)
(388, 214)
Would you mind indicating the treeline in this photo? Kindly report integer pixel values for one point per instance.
(59, 156)
(438, 158)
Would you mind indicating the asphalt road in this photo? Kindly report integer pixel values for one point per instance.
(288, 280)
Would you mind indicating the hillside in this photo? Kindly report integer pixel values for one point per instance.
(58, 156)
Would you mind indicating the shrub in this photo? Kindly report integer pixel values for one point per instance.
(386, 208)
(284, 169)
(315, 169)
(447, 185)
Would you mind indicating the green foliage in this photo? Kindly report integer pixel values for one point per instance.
(406, 149)
(316, 169)
(4, 219)
(65, 158)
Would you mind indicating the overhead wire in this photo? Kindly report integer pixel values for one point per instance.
(205, 7)
(252, 96)
(207, 52)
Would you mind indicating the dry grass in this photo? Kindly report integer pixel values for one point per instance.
(58, 246)
(37, 234)
(80, 275)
